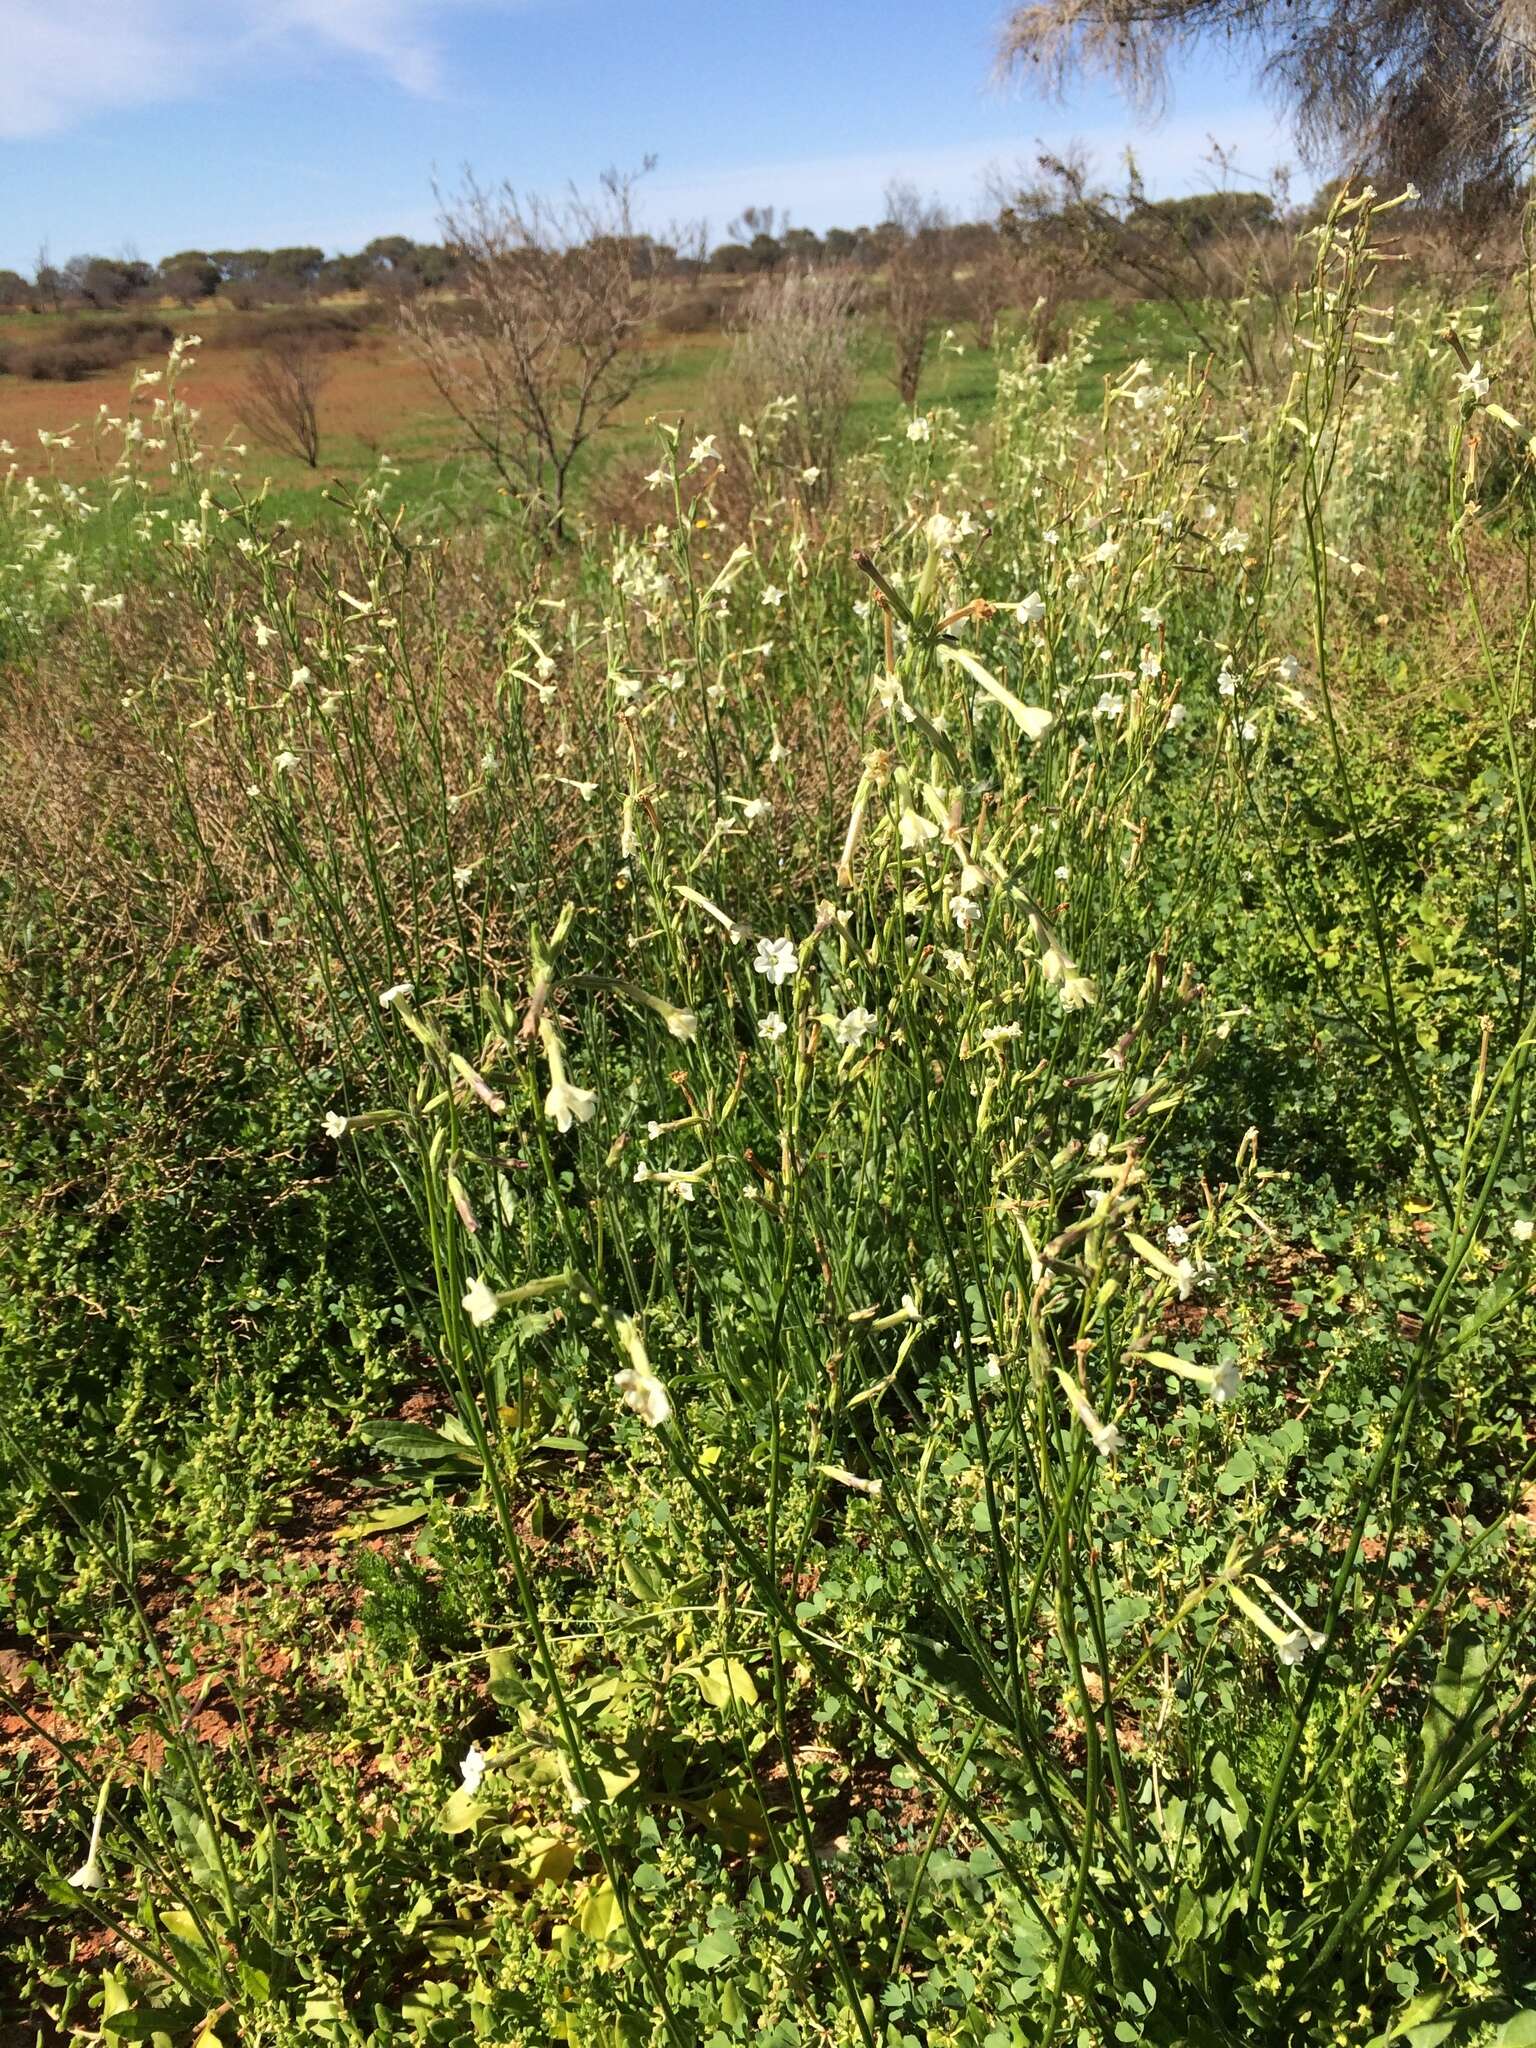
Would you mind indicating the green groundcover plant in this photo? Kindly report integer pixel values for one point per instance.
(771, 1281)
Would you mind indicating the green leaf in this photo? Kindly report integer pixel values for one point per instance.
(384, 1518)
(724, 1679)
(1452, 1717)
(600, 1917)
(506, 1685)
(1239, 1471)
(1518, 2031)
(416, 1443)
(461, 1810)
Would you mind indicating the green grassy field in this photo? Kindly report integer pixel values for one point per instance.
(771, 1280)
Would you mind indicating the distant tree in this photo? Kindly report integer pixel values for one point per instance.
(14, 290)
(732, 259)
(1439, 92)
(297, 267)
(47, 283)
(388, 252)
(840, 245)
(240, 266)
(802, 246)
(106, 281)
(190, 275)
(538, 350)
(343, 274)
(920, 266)
(282, 399)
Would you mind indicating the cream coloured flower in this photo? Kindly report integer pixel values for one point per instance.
(771, 1028)
(335, 1124)
(1029, 611)
(472, 1768)
(915, 830)
(920, 429)
(395, 993)
(777, 959)
(854, 1026)
(566, 1104)
(480, 1303)
(643, 1395)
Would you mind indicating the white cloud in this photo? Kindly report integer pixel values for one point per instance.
(62, 62)
(823, 191)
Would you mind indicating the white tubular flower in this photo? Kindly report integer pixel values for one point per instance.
(920, 429)
(1521, 1229)
(1029, 611)
(335, 1124)
(965, 911)
(771, 1028)
(777, 959)
(681, 1023)
(286, 761)
(90, 1877)
(736, 933)
(1226, 1381)
(1078, 992)
(1105, 1437)
(565, 1105)
(942, 531)
(1473, 383)
(1291, 1645)
(854, 1026)
(1288, 668)
(472, 1768)
(915, 830)
(642, 1392)
(480, 1303)
(1177, 715)
(395, 993)
(1222, 1382)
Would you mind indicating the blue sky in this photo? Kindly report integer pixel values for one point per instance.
(155, 125)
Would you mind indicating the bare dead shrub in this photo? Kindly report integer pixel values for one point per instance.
(919, 281)
(282, 399)
(539, 349)
(801, 338)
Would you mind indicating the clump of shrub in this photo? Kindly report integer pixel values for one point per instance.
(81, 348)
